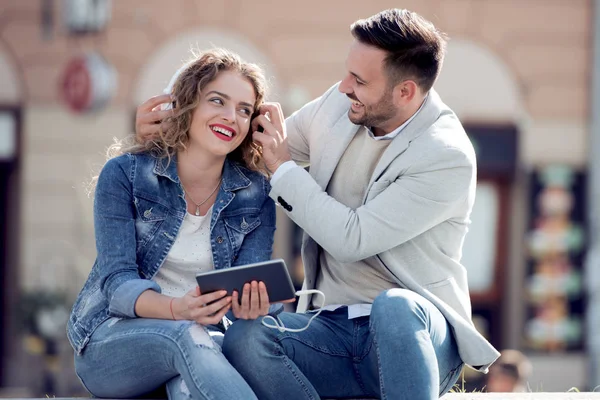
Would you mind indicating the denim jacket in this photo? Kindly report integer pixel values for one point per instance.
(139, 207)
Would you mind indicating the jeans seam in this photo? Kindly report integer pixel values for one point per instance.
(312, 346)
(354, 364)
(450, 374)
(381, 387)
(83, 384)
(281, 353)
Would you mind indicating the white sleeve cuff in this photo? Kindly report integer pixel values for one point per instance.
(283, 168)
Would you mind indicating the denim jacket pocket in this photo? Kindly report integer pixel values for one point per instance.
(150, 211)
(149, 216)
(242, 223)
(238, 227)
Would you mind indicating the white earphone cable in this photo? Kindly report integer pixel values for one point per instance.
(278, 324)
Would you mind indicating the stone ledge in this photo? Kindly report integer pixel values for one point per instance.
(522, 396)
(454, 396)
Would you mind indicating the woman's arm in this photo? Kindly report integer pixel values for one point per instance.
(129, 295)
(192, 306)
(114, 225)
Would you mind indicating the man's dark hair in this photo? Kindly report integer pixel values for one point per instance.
(415, 47)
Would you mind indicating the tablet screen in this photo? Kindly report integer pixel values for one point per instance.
(273, 273)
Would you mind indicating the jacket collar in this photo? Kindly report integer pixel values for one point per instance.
(233, 176)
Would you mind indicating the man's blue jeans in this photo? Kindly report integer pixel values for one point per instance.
(404, 350)
(130, 357)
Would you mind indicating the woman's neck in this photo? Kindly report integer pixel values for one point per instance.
(198, 170)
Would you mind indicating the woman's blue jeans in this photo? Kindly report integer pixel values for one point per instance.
(130, 357)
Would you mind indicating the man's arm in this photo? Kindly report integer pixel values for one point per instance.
(409, 206)
(298, 126)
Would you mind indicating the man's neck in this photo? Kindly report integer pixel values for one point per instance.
(394, 123)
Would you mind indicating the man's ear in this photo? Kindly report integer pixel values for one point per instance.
(404, 92)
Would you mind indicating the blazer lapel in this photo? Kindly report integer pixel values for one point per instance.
(333, 148)
(423, 120)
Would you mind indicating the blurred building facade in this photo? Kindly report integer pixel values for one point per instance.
(517, 73)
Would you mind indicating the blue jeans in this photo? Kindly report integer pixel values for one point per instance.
(130, 357)
(404, 350)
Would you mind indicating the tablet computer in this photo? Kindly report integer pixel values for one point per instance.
(273, 273)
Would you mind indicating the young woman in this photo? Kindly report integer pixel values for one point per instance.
(194, 198)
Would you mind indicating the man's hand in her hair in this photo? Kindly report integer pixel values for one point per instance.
(150, 116)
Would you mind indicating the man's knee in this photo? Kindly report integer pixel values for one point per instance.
(243, 338)
(396, 303)
(236, 337)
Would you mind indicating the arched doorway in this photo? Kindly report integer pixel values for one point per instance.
(157, 71)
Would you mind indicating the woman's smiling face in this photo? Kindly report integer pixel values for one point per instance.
(222, 119)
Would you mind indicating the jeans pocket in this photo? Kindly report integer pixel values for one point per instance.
(450, 379)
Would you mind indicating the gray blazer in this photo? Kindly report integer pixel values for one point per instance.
(415, 212)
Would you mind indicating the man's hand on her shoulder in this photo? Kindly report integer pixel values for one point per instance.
(273, 138)
(150, 116)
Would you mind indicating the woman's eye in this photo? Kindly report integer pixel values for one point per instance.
(216, 100)
(246, 111)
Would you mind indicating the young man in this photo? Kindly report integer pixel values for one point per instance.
(385, 209)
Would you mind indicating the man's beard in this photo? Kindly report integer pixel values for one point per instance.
(374, 115)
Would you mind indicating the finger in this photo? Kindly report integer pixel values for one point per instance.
(254, 301)
(146, 129)
(268, 127)
(275, 114)
(235, 304)
(265, 140)
(261, 120)
(152, 102)
(153, 117)
(246, 300)
(213, 319)
(210, 297)
(202, 310)
(216, 306)
(151, 130)
(264, 298)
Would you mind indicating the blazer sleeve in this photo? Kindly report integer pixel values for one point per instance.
(410, 205)
(298, 126)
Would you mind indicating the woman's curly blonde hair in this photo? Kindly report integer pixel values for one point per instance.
(195, 76)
